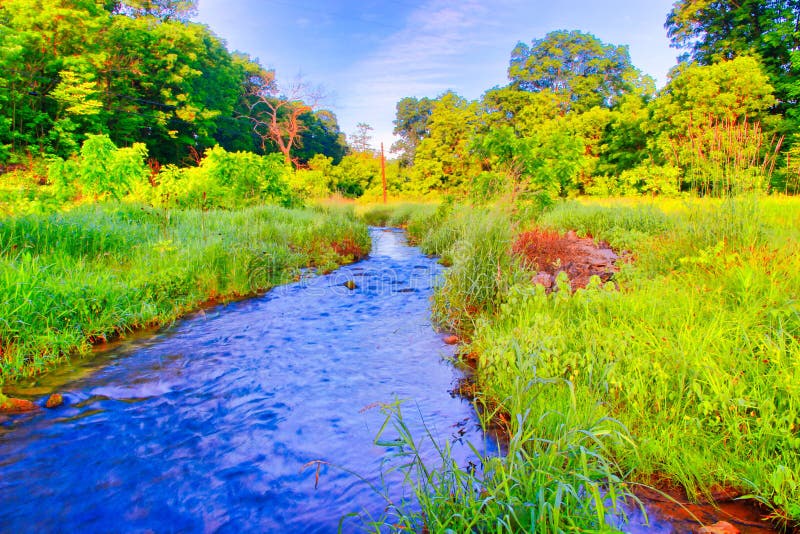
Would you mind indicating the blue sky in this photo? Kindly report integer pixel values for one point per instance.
(369, 54)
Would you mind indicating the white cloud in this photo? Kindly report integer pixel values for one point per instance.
(440, 46)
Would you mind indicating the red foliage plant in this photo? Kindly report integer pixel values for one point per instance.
(542, 250)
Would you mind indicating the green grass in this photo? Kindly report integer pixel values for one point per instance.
(396, 214)
(557, 474)
(70, 279)
(696, 354)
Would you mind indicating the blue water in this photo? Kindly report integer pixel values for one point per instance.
(207, 426)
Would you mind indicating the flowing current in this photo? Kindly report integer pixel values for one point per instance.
(210, 425)
(220, 423)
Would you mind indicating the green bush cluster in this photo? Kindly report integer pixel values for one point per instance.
(221, 180)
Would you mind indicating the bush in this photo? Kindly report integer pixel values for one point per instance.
(223, 180)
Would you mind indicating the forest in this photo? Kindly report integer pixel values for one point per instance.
(148, 171)
(576, 118)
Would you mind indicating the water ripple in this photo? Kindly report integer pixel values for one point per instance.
(210, 425)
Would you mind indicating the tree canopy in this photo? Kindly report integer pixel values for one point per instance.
(577, 117)
(137, 71)
(582, 70)
(714, 30)
(411, 124)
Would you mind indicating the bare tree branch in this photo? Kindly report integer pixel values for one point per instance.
(276, 115)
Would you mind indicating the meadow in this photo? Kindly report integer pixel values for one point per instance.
(682, 371)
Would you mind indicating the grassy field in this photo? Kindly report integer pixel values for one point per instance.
(72, 279)
(685, 370)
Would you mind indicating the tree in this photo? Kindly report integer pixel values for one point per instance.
(728, 90)
(713, 123)
(624, 143)
(39, 40)
(321, 136)
(277, 117)
(411, 124)
(359, 141)
(547, 163)
(578, 67)
(73, 68)
(502, 106)
(235, 131)
(443, 159)
(716, 30)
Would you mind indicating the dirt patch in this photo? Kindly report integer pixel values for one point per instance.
(548, 253)
(669, 503)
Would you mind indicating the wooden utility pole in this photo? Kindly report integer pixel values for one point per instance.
(383, 173)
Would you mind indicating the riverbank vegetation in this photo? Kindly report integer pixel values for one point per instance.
(102, 270)
(682, 371)
(145, 169)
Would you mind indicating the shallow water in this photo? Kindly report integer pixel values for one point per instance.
(208, 425)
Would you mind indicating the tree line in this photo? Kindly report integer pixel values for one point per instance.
(140, 71)
(578, 117)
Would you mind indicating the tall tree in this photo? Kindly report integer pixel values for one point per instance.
(714, 30)
(73, 68)
(411, 124)
(38, 41)
(443, 159)
(581, 69)
(522, 110)
(277, 116)
(713, 122)
(360, 141)
(321, 136)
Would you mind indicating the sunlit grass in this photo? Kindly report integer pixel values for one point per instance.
(695, 349)
(67, 280)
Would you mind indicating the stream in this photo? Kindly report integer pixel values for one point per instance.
(258, 415)
(208, 425)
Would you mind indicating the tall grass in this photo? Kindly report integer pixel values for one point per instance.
(694, 355)
(697, 354)
(68, 280)
(482, 270)
(726, 157)
(556, 476)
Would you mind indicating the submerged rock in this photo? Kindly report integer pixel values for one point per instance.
(17, 406)
(54, 401)
(721, 527)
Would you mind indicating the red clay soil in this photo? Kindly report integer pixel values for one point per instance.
(548, 253)
(726, 513)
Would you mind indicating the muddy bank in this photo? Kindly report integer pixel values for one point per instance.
(721, 512)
